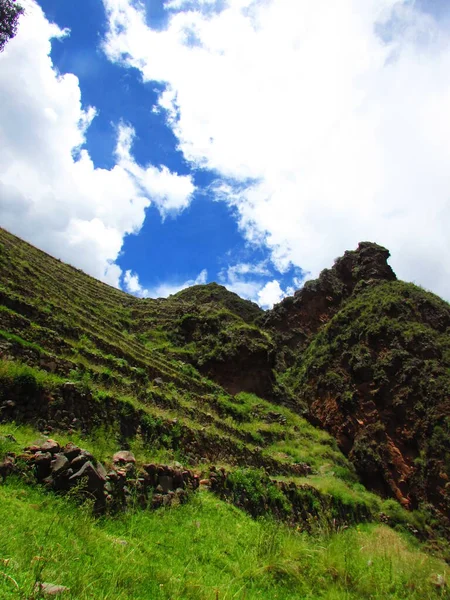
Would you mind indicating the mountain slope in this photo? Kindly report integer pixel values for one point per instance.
(80, 356)
(368, 359)
(355, 353)
(377, 376)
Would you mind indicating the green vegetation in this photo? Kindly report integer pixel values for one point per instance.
(217, 296)
(299, 409)
(381, 333)
(205, 549)
(388, 349)
(133, 356)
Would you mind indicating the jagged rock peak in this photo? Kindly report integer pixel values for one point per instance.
(368, 262)
(318, 299)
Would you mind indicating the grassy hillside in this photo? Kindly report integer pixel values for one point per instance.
(345, 384)
(205, 550)
(130, 380)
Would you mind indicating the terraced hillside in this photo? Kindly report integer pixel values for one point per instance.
(206, 377)
(295, 413)
(85, 358)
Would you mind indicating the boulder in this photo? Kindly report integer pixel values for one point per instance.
(81, 459)
(157, 500)
(50, 589)
(95, 481)
(71, 451)
(166, 482)
(42, 461)
(33, 448)
(124, 456)
(50, 446)
(6, 467)
(59, 464)
(150, 469)
(101, 470)
(42, 458)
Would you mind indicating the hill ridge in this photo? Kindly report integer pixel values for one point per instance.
(211, 376)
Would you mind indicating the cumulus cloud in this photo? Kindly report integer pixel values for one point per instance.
(132, 285)
(328, 122)
(170, 193)
(244, 279)
(250, 281)
(51, 194)
(270, 294)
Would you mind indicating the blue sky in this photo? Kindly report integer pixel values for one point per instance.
(172, 250)
(238, 141)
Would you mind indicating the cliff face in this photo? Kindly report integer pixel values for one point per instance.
(377, 377)
(370, 362)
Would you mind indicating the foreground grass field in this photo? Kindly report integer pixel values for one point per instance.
(206, 549)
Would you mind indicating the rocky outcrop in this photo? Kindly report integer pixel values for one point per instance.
(236, 355)
(7, 466)
(298, 317)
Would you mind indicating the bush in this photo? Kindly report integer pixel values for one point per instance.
(26, 383)
(253, 490)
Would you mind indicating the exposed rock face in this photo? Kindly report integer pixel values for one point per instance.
(50, 446)
(235, 354)
(300, 316)
(124, 457)
(374, 374)
(377, 378)
(243, 370)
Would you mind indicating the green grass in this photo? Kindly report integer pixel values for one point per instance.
(155, 366)
(245, 420)
(332, 501)
(19, 374)
(203, 550)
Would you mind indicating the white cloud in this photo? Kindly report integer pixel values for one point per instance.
(180, 4)
(50, 191)
(132, 285)
(270, 294)
(247, 269)
(170, 193)
(241, 280)
(244, 279)
(249, 281)
(343, 135)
